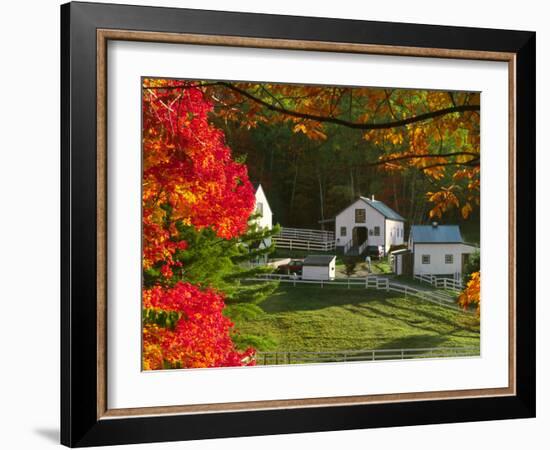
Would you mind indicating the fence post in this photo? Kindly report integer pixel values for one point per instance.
(387, 285)
(402, 354)
(321, 283)
(290, 243)
(348, 282)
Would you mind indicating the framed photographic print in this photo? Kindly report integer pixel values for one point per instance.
(276, 224)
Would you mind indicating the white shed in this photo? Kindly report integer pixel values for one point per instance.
(319, 267)
(438, 250)
(368, 222)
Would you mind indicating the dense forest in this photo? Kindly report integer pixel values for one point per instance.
(313, 169)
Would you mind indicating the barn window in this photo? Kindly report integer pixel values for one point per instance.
(260, 208)
(377, 231)
(343, 231)
(370, 232)
(425, 259)
(448, 259)
(360, 216)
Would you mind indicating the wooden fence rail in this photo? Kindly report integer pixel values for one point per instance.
(306, 233)
(376, 282)
(276, 358)
(450, 284)
(303, 244)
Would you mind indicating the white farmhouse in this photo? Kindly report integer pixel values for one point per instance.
(265, 217)
(368, 222)
(319, 267)
(436, 250)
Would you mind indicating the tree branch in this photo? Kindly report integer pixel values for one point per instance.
(475, 156)
(334, 120)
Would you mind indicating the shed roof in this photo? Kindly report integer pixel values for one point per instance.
(319, 260)
(434, 234)
(383, 209)
(401, 251)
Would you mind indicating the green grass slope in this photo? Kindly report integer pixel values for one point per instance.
(311, 318)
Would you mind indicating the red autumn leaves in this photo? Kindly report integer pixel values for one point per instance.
(188, 176)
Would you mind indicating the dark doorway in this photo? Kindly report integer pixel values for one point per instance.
(359, 235)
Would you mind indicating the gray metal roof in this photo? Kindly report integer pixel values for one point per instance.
(318, 260)
(383, 209)
(448, 234)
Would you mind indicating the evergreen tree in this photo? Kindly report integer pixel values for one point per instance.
(227, 265)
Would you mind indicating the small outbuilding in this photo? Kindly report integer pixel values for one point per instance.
(438, 250)
(401, 261)
(319, 267)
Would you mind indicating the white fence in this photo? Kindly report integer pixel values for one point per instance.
(373, 282)
(348, 246)
(362, 247)
(305, 239)
(274, 358)
(451, 284)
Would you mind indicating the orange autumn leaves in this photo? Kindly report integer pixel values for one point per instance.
(189, 177)
(445, 148)
(470, 296)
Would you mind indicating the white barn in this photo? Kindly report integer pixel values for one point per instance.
(438, 250)
(319, 267)
(368, 222)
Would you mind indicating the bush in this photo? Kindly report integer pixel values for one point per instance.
(350, 264)
(471, 266)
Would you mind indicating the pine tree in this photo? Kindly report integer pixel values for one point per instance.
(225, 265)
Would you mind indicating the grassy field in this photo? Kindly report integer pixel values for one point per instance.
(311, 318)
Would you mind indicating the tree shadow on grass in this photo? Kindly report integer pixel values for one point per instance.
(370, 311)
(311, 298)
(431, 316)
(415, 341)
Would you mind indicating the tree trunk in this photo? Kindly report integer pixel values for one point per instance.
(293, 193)
(352, 185)
(321, 196)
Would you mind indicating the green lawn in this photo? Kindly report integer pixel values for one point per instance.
(311, 318)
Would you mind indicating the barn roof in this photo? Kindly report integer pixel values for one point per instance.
(318, 260)
(433, 234)
(383, 209)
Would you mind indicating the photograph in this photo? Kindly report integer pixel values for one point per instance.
(302, 224)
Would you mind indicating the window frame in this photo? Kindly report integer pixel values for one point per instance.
(358, 210)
